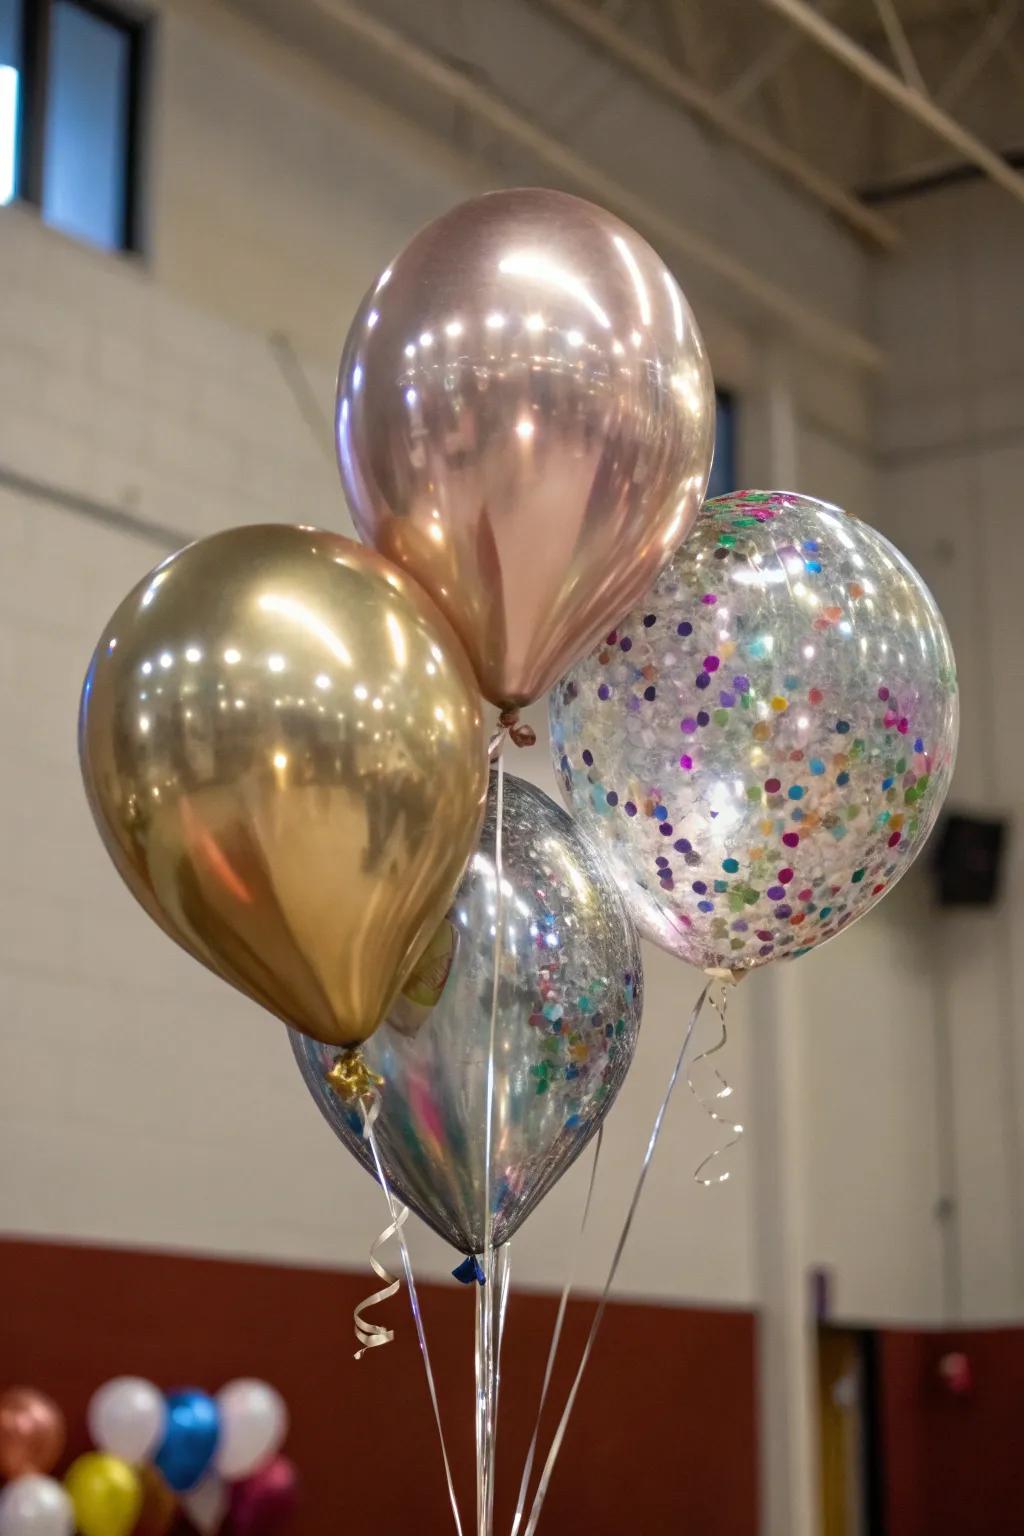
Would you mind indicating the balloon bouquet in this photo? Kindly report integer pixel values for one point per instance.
(282, 737)
(215, 1459)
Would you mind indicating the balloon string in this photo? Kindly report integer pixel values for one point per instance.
(506, 1280)
(524, 1486)
(371, 1109)
(719, 999)
(489, 1376)
(559, 1436)
(487, 1363)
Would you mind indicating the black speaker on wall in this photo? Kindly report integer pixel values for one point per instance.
(968, 860)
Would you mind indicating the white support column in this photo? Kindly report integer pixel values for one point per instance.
(777, 1164)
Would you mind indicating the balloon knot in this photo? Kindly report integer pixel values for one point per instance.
(724, 974)
(469, 1270)
(520, 734)
(351, 1078)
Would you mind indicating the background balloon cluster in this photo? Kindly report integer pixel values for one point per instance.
(182, 1460)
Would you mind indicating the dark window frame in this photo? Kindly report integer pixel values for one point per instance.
(724, 467)
(32, 103)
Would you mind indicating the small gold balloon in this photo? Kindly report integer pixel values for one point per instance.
(106, 1494)
(282, 747)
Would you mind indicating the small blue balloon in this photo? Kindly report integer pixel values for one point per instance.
(193, 1424)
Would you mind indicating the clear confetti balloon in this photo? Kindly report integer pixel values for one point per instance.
(569, 1005)
(763, 745)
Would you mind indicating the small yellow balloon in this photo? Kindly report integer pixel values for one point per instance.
(106, 1494)
(282, 746)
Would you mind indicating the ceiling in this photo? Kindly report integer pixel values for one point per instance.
(857, 103)
(965, 57)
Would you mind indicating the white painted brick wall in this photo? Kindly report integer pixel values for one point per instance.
(113, 388)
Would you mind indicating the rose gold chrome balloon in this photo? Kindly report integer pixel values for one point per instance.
(525, 423)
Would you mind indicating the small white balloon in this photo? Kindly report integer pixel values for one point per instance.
(127, 1417)
(35, 1506)
(206, 1504)
(253, 1424)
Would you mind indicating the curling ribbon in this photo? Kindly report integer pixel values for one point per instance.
(718, 997)
(373, 1335)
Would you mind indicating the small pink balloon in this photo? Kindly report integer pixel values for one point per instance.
(263, 1503)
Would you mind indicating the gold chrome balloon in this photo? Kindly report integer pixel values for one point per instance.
(282, 746)
(525, 422)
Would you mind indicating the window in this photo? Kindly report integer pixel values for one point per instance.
(723, 470)
(10, 56)
(70, 74)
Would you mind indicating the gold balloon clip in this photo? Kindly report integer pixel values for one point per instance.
(351, 1078)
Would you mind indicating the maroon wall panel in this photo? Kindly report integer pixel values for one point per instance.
(953, 1466)
(663, 1438)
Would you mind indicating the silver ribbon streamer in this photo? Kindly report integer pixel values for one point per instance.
(373, 1335)
(559, 1435)
(524, 1486)
(719, 999)
(371, 1109)
(488, 1339)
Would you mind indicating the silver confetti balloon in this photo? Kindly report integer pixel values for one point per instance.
(569, 1003)
(763, 745)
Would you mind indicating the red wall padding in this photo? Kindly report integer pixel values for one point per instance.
(953, 1466)
(663, 1439)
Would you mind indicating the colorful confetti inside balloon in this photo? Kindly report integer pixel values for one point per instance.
(764, 744)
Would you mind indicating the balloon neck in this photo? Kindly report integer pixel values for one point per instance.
(519, 733)
(723, 974)
(351, 1078)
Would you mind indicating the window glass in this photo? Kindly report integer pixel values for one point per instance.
(723, 470)
(10, 67)
(84, 175)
